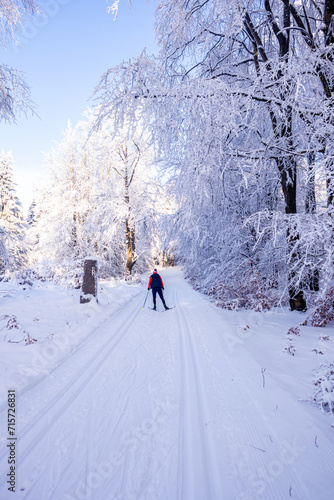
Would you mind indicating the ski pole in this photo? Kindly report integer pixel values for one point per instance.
(145, 299)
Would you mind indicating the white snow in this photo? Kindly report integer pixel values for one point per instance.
(196, 403)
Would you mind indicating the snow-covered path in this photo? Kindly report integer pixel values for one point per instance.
(167, 406)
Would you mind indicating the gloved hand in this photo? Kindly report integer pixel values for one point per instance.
(163, 288)
(148, 289)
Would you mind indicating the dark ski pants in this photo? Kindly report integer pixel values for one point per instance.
(158, 290)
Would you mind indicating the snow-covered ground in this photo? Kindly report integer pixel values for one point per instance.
(196, 403)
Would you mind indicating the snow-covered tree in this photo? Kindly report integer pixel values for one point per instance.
(14, 92)
(12, 14)
(99, 199)
(13, 251)
(240, 103)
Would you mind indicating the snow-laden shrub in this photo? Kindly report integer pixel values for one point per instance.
(324, 381)
(67, 274)
(12, 331)
(306, 261)
(26, 277)
(246, 293)
(294, 330)
(290, 350)
(28, 339)
(324, 312)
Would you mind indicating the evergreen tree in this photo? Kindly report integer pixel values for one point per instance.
(31, 219)
(13, 251)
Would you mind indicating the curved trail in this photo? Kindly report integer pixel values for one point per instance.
(160, 407)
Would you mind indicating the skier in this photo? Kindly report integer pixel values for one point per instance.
(157, 285)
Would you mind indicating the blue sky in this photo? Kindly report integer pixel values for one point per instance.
(63, 57)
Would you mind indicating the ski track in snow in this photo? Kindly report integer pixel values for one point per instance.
(161, 407)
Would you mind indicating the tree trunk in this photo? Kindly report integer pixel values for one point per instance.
(130, 247)
(287, 166)
(312, 280)
(310, 200)
(328, 20)
(288, 171)
(74, 234)
(127, 174)
(129, 232)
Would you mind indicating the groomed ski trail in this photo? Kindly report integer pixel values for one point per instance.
(164, 407)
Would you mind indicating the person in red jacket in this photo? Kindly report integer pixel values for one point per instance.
(157, 285)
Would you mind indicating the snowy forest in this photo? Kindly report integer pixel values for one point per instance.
(167, 288)
(215, 154)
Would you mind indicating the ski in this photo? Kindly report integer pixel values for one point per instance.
(162, 310)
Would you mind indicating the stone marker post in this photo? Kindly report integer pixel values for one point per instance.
(89, 282)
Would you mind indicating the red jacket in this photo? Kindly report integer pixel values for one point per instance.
(155, 281)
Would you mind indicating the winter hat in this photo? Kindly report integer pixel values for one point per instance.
(155, 271)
